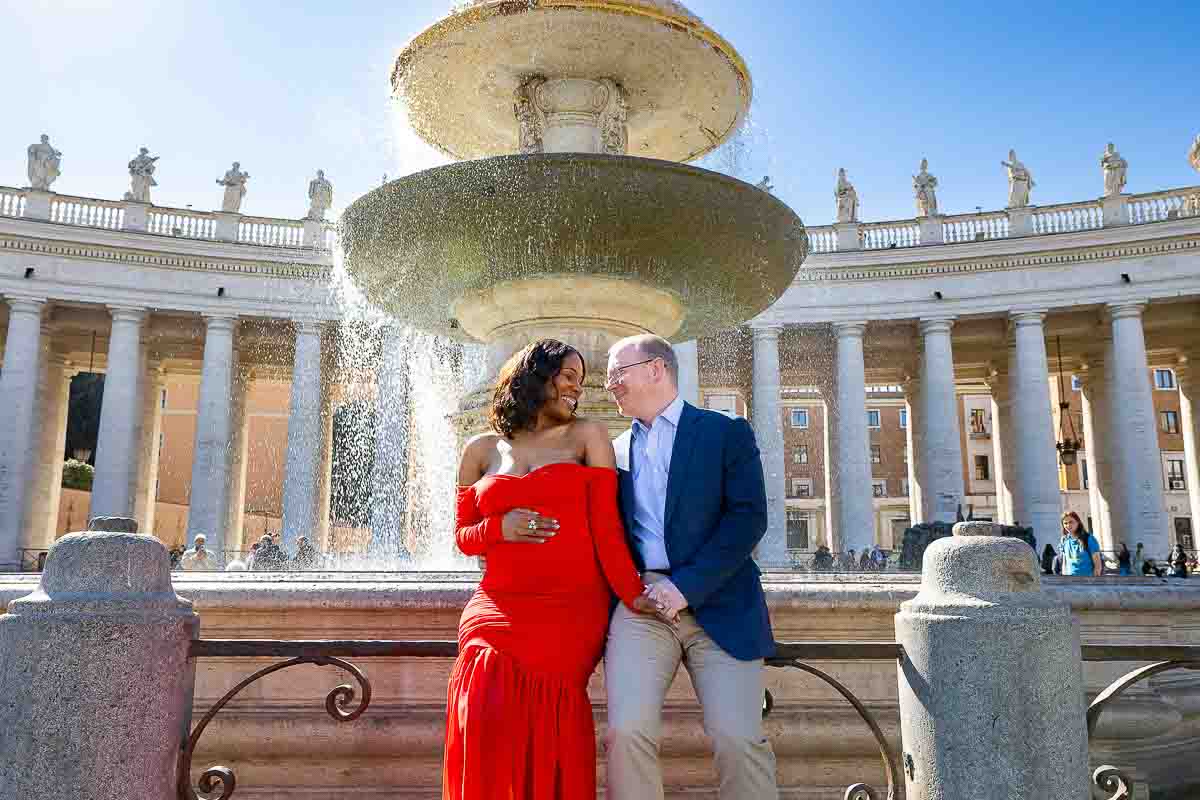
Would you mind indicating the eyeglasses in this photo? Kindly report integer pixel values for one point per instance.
(617, 375)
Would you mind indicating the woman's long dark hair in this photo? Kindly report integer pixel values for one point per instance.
(521, 388)
(1081, 533)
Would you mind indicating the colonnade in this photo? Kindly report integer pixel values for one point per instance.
(1119, 420)
(34, 383)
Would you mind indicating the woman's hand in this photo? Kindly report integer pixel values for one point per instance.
(644, 605)
(528, 527)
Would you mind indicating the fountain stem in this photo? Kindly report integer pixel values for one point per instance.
(572, 115)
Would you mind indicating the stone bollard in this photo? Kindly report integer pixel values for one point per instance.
(991, 685)
(95, 679)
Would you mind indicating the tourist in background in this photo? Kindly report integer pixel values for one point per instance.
(1139, 560)
(864, 561)
(198, 558)
(269, 556)
(1178, 562)
(1048, 559)
(1080, 550)
(1124, 561)
(306, 555)
(878, 559)
(253, 552)
(849, 562)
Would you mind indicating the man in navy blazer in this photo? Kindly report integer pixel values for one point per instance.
(694, 506)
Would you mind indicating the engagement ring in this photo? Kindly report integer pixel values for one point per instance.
(533, 524)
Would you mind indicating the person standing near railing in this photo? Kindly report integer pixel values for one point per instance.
(1139, 559)
(1080, 550)
(1178, 562)
(1124, 561)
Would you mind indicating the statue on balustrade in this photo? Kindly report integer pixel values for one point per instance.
(847, 199)
(1194, 154)
(1114, 171)
(44, 163)
(320, 196)
(765, 184)
(1020, 181)
(141, 176)
(925, 189)
(235, 189)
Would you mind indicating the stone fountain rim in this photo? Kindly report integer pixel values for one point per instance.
(686, 23)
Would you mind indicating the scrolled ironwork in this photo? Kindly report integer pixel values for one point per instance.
(338, 704)
(858, 791)
(1118, 687)
(1111, 779)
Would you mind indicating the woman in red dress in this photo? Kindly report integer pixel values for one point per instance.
(537, 499)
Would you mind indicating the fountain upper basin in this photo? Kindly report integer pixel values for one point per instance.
(704, 251)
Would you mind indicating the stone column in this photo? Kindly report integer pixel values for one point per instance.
(19, 425)
(389, 478)
(912, 404)
(1189, 401)
(991, 683)
(1138, 504)
(854, 515)
(146, 494)
(304, 437)
(325, 471)
(120, 418)
(95, 673)
(239, 456)
(688, 356)
(53, 399)
(1003, 457)
(1097, 434)
(209, 500)
(942, 484)
(768, 431)
(1037, 499)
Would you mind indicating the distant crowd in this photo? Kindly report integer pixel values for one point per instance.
(1079, 553)
(265, 555)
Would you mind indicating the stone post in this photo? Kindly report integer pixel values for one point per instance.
(19, 424)
(208, 512)
(942, 482)
(991, 683)
(1139, 512)
(854, 514)
(1037, 499)
(314, 234)
(227, 225)
(1020, 221)
(37, 204)
(688, 356)
(767, 417)
(95, 675)
(931, 229)
(137, 216)
(1112, 211)
(117, 446)
(304, 438)
(847, 236)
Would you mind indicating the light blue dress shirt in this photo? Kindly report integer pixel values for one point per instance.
(651, 449)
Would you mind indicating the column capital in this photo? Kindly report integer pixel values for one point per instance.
(307, 325)
(941, 324)
(220, 322)
(25, 304)
(136, 314)
(766, 331)
(850, 329)
(1125, 310)
(1034, 316)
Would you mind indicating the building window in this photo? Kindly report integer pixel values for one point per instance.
(876, 454)
(725, 403)
(800, 454)
(1169, 421)
(978, 422)
(1076, 384)
(904, 487)
(1083, 473)
(1175, 480)
(802, 488)
(983, 471)
(879, 489)
(1164, 379)
(1183, 533)
(162, 401)
(904, 418)
(873, 418)
(160, 443)
(797, 530)
(799, 417)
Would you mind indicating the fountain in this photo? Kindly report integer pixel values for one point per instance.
(573, 217)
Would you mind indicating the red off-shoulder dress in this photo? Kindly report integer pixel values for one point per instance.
(519, 722)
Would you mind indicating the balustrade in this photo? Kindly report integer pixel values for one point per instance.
(975, 227)
(1067, 218)
(12, 202)
(271, 232)
(186, 224)
(884, 235)
(1161, 206)
(822, 239)
(87, 212)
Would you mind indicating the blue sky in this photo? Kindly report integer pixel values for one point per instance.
(287, 88)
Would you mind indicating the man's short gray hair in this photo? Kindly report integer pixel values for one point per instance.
(651, 346)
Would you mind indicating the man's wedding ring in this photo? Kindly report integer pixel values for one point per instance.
(532, 525)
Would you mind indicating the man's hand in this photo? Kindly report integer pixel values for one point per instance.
(644, 605)
(528, 527)
(667, 598)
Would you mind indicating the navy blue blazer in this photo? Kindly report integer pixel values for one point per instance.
(716, 514)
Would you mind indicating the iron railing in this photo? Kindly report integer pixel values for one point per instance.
(346, 702)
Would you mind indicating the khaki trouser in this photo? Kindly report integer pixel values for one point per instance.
(640, 663)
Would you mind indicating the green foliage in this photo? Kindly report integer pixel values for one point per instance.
(78, 475)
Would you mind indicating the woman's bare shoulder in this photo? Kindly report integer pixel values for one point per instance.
(589, 430)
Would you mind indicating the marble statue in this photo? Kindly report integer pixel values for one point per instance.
(531, 120)
(925, 189)
(320, 196)
(1114, 171)
(235, 188)
(141, 176)
(1020, 181)
(44, 162)
(765, 184)
(847, 199)
(1194, 154)
(614, 131)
